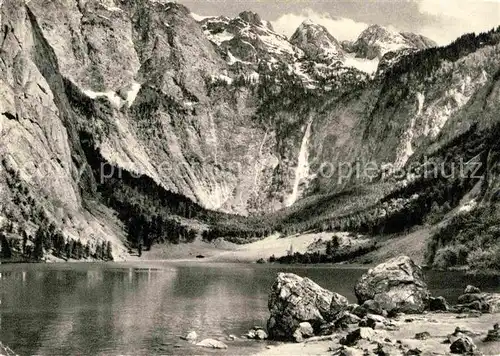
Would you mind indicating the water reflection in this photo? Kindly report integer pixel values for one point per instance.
(92, 309)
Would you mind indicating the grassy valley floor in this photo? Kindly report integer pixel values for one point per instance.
(412, 244)
(272, 245)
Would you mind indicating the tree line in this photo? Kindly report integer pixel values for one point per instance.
(423, 63)
(150, 213)
(50, 240)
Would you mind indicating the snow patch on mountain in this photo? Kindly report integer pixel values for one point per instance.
(116, 100)
(362, 64)
(200, 17)
(232, 59)
(110, 95)
(132, 93)
(277, 44)
(219, 38)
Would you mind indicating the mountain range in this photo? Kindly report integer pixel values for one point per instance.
(139, 122)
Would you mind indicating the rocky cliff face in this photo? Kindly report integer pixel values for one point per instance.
(43, 175)
(224, 111)
(171, 116)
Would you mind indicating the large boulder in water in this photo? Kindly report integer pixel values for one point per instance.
(294, 300)
(396, 285)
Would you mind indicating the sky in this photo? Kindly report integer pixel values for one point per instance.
(441, 20)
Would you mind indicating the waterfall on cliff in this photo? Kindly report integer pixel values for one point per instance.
(302, 170)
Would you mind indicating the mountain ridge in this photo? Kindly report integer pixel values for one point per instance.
(245, 44)
(375, 41)
(219, 115)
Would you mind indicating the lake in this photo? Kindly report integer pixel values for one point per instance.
(143, 308)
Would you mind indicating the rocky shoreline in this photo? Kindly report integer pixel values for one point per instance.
(426, 334)
(396, 315)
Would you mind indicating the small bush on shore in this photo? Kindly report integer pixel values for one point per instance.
(449, 256)
(488, 259)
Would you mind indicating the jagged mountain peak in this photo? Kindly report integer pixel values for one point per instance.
(309, 25)
(251, 17)
(308, 22)
(247, 38)
(376, 40)
(419, 40)
(376, 33)
(316, 42)
(246, 17)
(375, 28)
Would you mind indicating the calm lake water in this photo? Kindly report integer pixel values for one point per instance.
(143, 308)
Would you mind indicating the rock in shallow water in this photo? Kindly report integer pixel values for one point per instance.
(212, 344)
(354, 336)
(257, 333)
(438, 304)
(348, 351)
(297, 336)
(260, 334)
(375, 322)
(422, 336)
(471, 289)
(373, 307)
(305, 330)
(493, 334)
(294, 300)
(485, 302)
(191, 336)
(462, 345)
(396, 285)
